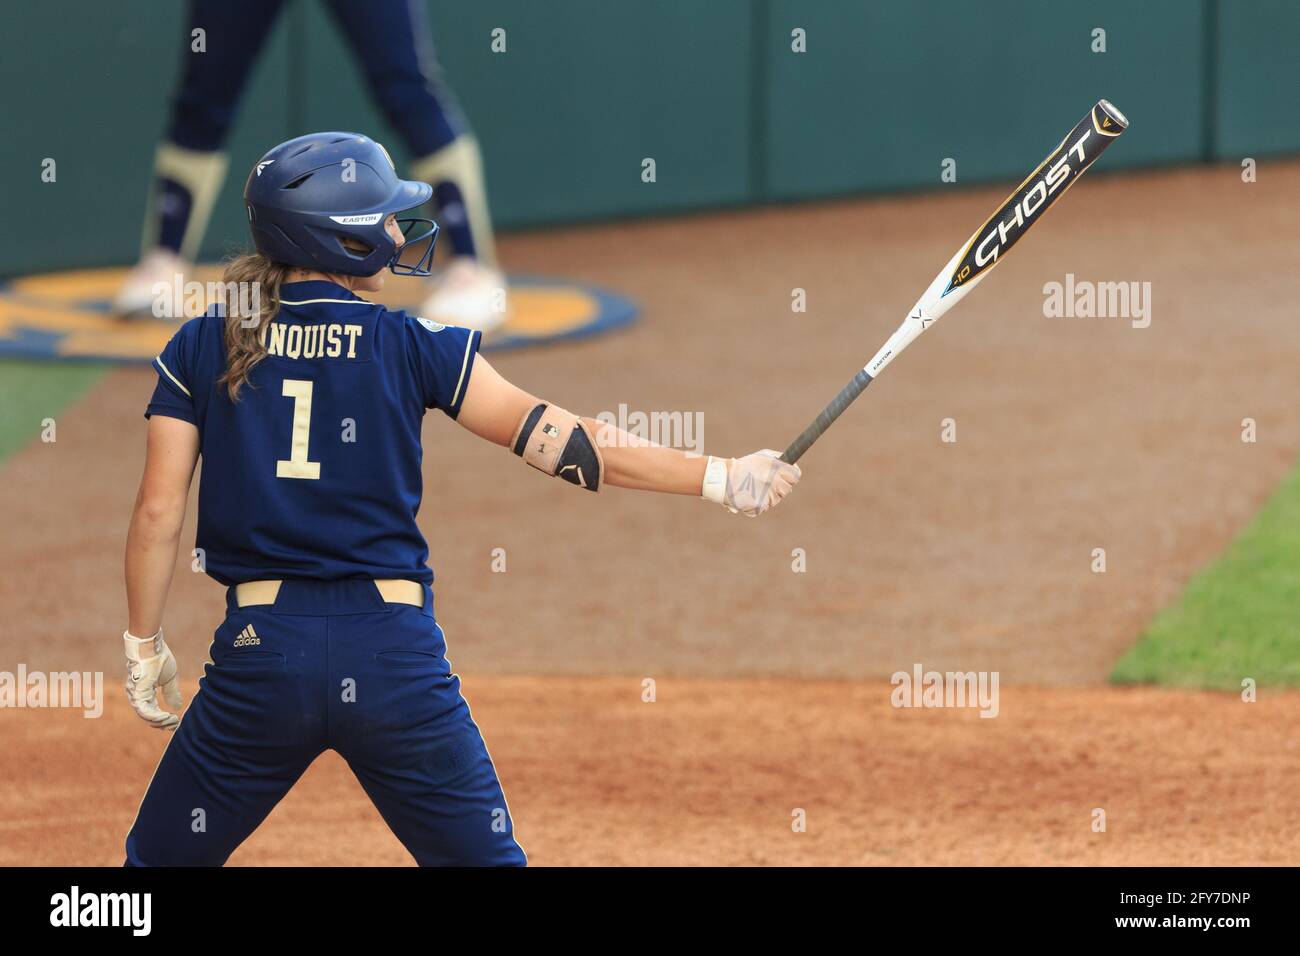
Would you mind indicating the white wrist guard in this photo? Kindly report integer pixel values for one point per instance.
(715, 480)
(133, 645)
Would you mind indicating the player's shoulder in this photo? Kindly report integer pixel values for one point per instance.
(416, 324)
(425, 335)
(205, 334)
(195, 354)
(199, 333)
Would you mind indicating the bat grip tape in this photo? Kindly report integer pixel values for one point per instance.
(824, 420)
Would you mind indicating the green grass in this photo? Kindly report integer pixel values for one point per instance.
(33, 391)
(1238, 618)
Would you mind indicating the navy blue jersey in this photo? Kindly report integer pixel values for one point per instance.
(315, 471)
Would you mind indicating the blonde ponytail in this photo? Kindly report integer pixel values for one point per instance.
(244, 332)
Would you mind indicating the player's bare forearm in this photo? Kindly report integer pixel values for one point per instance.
(151, 544)
(154, 535)
(633, 462)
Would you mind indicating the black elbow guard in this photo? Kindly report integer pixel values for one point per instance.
(558, 443)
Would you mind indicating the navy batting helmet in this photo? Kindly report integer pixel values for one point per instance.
(307, 195)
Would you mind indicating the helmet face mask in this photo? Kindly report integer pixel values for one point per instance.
(423, 229)
(309, 194)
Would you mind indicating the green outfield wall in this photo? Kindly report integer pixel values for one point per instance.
(735, 101)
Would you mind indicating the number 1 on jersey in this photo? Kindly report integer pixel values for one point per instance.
(298, 466)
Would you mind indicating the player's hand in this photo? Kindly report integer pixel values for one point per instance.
(150, 667)
(750, 485)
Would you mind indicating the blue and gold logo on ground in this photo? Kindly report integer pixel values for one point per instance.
(68, 315)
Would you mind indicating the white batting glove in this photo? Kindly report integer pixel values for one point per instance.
(749, 485)
(146, 674)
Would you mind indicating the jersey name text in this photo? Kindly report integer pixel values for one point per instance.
(294, 340)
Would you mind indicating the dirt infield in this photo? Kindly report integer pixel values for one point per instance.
(1073, 434)
(712, 772)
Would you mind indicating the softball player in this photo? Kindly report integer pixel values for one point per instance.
(391, 40)
(307, 414)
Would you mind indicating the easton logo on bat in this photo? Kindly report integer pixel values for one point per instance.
(1039, 190)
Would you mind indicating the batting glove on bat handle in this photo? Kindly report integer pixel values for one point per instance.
(749, 485)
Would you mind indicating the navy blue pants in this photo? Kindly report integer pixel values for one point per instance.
(329, 666)
(391, 40)
(392, 43)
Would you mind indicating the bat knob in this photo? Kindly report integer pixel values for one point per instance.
(1109, 110)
